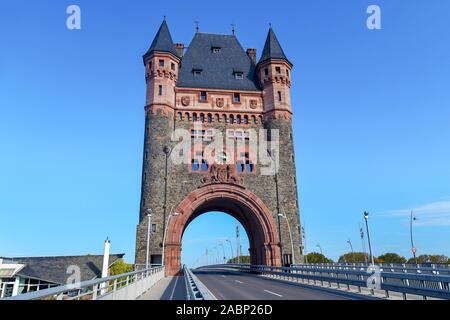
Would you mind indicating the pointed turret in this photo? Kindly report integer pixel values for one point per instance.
(162, 42)
(272, 49)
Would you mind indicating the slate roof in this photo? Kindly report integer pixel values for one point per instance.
(163, 41)
(272, 48)
(217, 69)
(54, 269)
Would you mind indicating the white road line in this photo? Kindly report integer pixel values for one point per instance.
(275, 294)
(223, 276)
(174, 288)
(238, 281)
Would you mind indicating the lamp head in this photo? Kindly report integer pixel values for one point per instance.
(366, 215)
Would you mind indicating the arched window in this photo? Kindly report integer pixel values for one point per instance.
(202, 117)
(245, 119)
(194, 117)
(231, 119)
(180, 116)
(253, 119)
(209, 118)
(239, 119)
(224, 118)
(195, 166)
(187, 116)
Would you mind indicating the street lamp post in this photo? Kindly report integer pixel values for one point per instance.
(280, 238)
(413, 248)
(304, 243)
(231, 248)
(149, 224)
(366, 218)
(218, 254)
(320, 248)
(363, 246)
(290, 236)
(223, 249)
(165, 231)
(351, 248)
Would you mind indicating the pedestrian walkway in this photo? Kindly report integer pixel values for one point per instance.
(169, 288)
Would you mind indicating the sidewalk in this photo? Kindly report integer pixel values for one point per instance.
(169, 288)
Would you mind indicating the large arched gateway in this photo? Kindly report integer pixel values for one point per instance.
(216, 92)
(247, 208)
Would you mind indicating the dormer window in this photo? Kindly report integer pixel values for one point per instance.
(236, 98)
(278, 70)
(161, 63)
(216, 49)
(197, 72)
(203, 96)
(239, 75)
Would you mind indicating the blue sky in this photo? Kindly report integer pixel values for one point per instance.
(371, 120)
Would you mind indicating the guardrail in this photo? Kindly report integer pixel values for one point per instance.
(195, 289)
(424, 285)
(443, 269)
(127, 286)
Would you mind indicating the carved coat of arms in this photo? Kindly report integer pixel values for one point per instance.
(185, 101)
(222, 173)
(220, 102)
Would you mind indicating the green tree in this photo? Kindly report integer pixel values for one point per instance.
(315, 257)
(243, 259)
(391, 258)
(354, 257)
(428, 258)
(119, 267)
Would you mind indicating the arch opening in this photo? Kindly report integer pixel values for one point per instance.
(211, 238)
(236, 201)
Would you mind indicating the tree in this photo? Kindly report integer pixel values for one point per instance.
(391, 258)
(119, 267)
(242, 259)
(428, 258)
(354, 257)
(315, 257)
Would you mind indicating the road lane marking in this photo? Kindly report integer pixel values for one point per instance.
(224, 276)
(238, 281)
(174, 288)
(275, 294)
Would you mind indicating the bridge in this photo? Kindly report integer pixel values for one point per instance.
(258, 282)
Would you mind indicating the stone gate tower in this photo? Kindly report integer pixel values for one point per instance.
(216, 86)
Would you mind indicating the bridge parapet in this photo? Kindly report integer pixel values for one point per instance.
(424, 285)
(126, 286)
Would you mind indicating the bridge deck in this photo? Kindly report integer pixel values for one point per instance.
(169, 288)
(229, 285)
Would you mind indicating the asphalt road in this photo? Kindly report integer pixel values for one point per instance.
(229, 285)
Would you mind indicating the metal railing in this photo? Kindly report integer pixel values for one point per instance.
(195, 289)
(127, 286)
(424, 285)
(443, 269)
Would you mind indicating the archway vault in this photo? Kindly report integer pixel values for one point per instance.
(232, 199)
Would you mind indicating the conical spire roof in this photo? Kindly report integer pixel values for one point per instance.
(272, 48)
(162, 41)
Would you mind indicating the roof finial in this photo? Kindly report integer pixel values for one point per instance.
(164, 18)
(233, 28)
(197, 25)
(270, 25)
